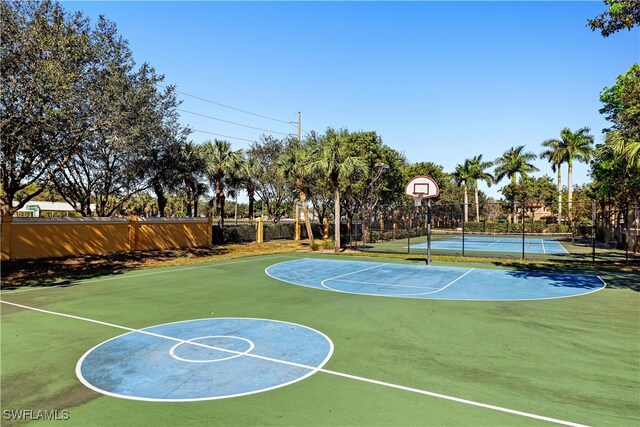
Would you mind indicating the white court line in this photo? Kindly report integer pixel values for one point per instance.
(326, 371)
(543, 250)
(563, 248)
(387, 284)
(348, 274)
(451, 283)
(125, 276)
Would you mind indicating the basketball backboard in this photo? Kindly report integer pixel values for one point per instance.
(421, 185)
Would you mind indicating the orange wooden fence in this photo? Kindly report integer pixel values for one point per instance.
(32, 238)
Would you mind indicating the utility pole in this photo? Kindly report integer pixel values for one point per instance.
(297, 211)
(299, 128)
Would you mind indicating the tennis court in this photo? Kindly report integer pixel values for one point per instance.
(496, 243)
(231, 343)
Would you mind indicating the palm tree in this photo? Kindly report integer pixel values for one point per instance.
(624, 147)
(191, 167)
(512, 163)
(334, 161)
(247, 182)
(477, 173)
(578, 146)
(294, 166)
(462, 177)
(222, 162)
(556, 154)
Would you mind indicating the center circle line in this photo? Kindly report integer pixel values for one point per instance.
(192, 342)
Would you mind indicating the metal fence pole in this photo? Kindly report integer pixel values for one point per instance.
(593, 231)
(523, 204)
(463, 229)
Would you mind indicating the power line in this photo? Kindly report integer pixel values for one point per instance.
(230, 107)
(233, 123)
(207, 77)
(224, 136)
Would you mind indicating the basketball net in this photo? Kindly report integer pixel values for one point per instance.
(417, 199)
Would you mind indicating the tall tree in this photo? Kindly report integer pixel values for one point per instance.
(622, 14)
(247, 183)
(556, 154)
(222, 163)
(463, 177)
(477, 173)
(294, 165)
(166, 138)
(621, 104)
(512, 163)
(270, 186)
(44, 62)
(578, 146)
(191, 167)
(333, 159)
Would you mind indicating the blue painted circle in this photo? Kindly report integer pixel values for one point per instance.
(204, 359)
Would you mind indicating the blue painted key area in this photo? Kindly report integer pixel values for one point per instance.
(429, 282)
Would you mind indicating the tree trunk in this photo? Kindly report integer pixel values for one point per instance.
(559, 193)
(336, 212)
(162, 200)
(219, 196)
(251, 203)
(477, 203)
(570, 189)
(305, 211)
(466, 204)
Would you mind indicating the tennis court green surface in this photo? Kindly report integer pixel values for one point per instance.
(223, 343)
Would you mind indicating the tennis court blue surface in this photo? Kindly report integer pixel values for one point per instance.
(204, 359)
(429, 282)
(497, 244)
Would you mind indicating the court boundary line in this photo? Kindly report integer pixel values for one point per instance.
(149, 273)
(312, 369)
(400, 295)
(412, 296)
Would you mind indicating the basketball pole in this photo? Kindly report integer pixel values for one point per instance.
(428, 231)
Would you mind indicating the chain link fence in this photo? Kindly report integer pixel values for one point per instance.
(497, 230)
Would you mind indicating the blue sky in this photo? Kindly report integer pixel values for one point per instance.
(438, 81)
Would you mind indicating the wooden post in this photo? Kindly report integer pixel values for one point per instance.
(210, 230)
(259, 230)
(133, 233)
(5, 238)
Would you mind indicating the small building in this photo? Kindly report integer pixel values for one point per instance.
(42, 208)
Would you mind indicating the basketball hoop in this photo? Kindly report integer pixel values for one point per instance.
(418, 188)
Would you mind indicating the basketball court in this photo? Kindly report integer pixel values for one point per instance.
(236, 343)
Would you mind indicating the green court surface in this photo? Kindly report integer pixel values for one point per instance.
(395, 361)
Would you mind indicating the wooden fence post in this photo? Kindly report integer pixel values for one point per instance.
(259, 230)
(6, 238)
(133, 233)
(210, 231)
